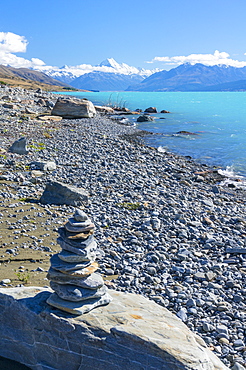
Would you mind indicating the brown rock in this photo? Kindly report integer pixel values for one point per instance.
(84, 272)
(50, 118)
(83, 235)
(104, 109)
(151, 110)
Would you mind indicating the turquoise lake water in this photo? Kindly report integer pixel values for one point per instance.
(218, 119)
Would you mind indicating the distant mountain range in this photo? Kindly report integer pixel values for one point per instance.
(198, 77)
(112, 76)
(121, 75)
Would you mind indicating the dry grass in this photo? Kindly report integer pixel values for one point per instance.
(31, 85)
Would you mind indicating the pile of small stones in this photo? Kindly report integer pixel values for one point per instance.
(169, 230)
(78, 289)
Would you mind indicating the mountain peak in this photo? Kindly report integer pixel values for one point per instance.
(109, 62)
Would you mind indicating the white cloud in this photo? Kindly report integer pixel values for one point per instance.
(12, 43)
(37, 62)
(207, 59)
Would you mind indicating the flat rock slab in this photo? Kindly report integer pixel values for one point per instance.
(78, 308)
(50, 118)
(84, 252)
(73, 293)
(58, 193)
(79, 229)
(93, 281)
(131, 332)
(71, 257)
(80, 235)
(81, 272)
(67, 267)
(79, 243)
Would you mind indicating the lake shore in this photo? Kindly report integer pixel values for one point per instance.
(168, 229)
(216, 117)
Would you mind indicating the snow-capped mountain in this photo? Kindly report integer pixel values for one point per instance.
(106, 81)
(123, 68)
(195, 77)
(69, 73)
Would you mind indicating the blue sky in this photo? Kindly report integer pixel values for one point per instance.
(163, 32)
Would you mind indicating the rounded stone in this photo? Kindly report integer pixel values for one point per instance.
(80, 215)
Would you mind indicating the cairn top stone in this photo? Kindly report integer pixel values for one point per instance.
(74, 222)
(80, 215)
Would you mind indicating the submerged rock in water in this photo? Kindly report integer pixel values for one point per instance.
(145, 118)
(185, 133)
(151, 110)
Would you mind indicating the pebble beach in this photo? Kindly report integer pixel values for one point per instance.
(168, 228)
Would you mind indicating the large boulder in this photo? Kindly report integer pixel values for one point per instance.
(58, 193)
(73, 108)
(131, 332)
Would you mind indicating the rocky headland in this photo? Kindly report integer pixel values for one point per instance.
(169, 231)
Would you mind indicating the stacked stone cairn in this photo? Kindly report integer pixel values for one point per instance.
(78, 288)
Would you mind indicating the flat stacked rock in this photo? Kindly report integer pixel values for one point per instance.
(78, 288)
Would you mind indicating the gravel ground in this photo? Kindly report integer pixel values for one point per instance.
(169, 230)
